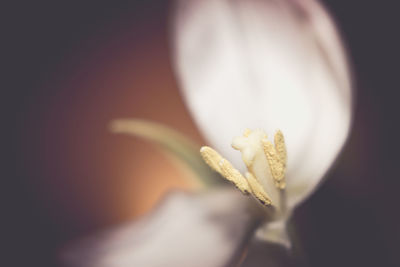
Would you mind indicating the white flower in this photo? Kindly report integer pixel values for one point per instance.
(265, 64)
(259, 64)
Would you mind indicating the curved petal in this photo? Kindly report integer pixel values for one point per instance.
(272, 64)
(207, 229)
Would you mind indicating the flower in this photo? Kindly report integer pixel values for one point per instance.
(266, 65)
(262, 64)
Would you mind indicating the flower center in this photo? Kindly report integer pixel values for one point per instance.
(265, 162)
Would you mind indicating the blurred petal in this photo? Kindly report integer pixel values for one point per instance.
(207, 229)
(270, 64)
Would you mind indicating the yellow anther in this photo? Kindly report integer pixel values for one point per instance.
(276, 157)
(280, 146)
(234, 176)
(225, 168)
(247, 132)
(258, 190)
(212, 158)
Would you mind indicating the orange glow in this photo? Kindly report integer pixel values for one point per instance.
(95, 176)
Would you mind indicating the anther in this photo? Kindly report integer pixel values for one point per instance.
(247, 132)
(276, 157)
(211, 157)
(258, 190)
(225, 168)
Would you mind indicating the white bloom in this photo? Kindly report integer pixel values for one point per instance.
(259, 64)
(265, 64)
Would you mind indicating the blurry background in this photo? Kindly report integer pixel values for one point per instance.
(73, 67)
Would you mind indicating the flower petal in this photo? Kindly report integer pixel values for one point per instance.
(273, 64)
(207, 229)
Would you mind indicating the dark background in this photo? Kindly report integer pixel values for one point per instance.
(54, 50)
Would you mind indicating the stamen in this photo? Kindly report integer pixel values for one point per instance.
(257, 190)
(249, 145)
(280, 147)
(225, 168)
(234, 176)
(247, 132)
(211, 157)
(276, 157)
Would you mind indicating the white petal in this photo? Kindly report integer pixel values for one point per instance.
(209, 229)
(273, 64)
